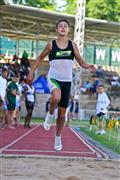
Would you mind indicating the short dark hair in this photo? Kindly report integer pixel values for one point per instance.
(101, 86)
(4, 69)
(16, 74)
(94, 76)
(62, 20)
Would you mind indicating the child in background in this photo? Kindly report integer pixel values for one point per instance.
(101, 107)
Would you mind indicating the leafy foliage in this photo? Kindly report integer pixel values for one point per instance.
(70, 7)
(104, 9)
(46, 4)
(99, 9)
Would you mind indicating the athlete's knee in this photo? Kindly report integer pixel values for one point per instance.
(30, 113)
(56, 98)
(62, 116)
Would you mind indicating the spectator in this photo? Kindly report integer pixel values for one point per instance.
(18, 105)
(69, 111)
(88, 86)
(99, 72)
(74, 108)
(71, 107)
(25, 65)
(114, 83)
(24, 61)
(12, 91)
(96, 83)
(47, 105)
(3, 105)
(29, 92)
(101, 107)
(15, 58)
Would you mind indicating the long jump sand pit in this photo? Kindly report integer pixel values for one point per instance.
(56, 169)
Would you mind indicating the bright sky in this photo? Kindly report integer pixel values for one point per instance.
(60, 3)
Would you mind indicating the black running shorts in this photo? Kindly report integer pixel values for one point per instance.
(65, 91)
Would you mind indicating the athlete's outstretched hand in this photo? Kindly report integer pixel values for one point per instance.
(92, 68)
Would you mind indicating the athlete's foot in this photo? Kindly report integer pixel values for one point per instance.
(2, 126)
(28, 126)
(10, 127)
(58, 143)
(25, 126)
(48, 121)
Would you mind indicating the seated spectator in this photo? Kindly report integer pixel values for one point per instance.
(99, 72)
(115, 78)
(86, 87)
(114, 83)
(96, 83)
(119, 83)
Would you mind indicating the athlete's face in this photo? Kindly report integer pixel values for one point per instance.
(62, 28)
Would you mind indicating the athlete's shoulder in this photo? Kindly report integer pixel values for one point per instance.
(49, 45)
(74, 44)
(52, 44)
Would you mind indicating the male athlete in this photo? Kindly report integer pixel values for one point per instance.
(61, 52)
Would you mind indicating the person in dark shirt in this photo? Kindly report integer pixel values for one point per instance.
(12, 91)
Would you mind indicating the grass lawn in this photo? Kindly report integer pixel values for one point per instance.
(108, 139)
(33, 120)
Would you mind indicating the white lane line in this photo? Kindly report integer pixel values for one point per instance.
(18, 139)
(98, 151)
(78, 136)
(22, 150)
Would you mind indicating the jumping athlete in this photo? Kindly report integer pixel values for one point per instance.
(62, 52)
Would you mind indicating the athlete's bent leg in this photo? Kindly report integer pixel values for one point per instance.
(56, 96)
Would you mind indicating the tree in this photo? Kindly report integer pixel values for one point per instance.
(99, 9)
(46, 4)
(104, 9)
(70, 6)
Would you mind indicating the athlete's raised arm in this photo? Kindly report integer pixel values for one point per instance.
(80, 61)
(42, 55)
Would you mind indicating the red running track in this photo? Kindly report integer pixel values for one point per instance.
(37, 141)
